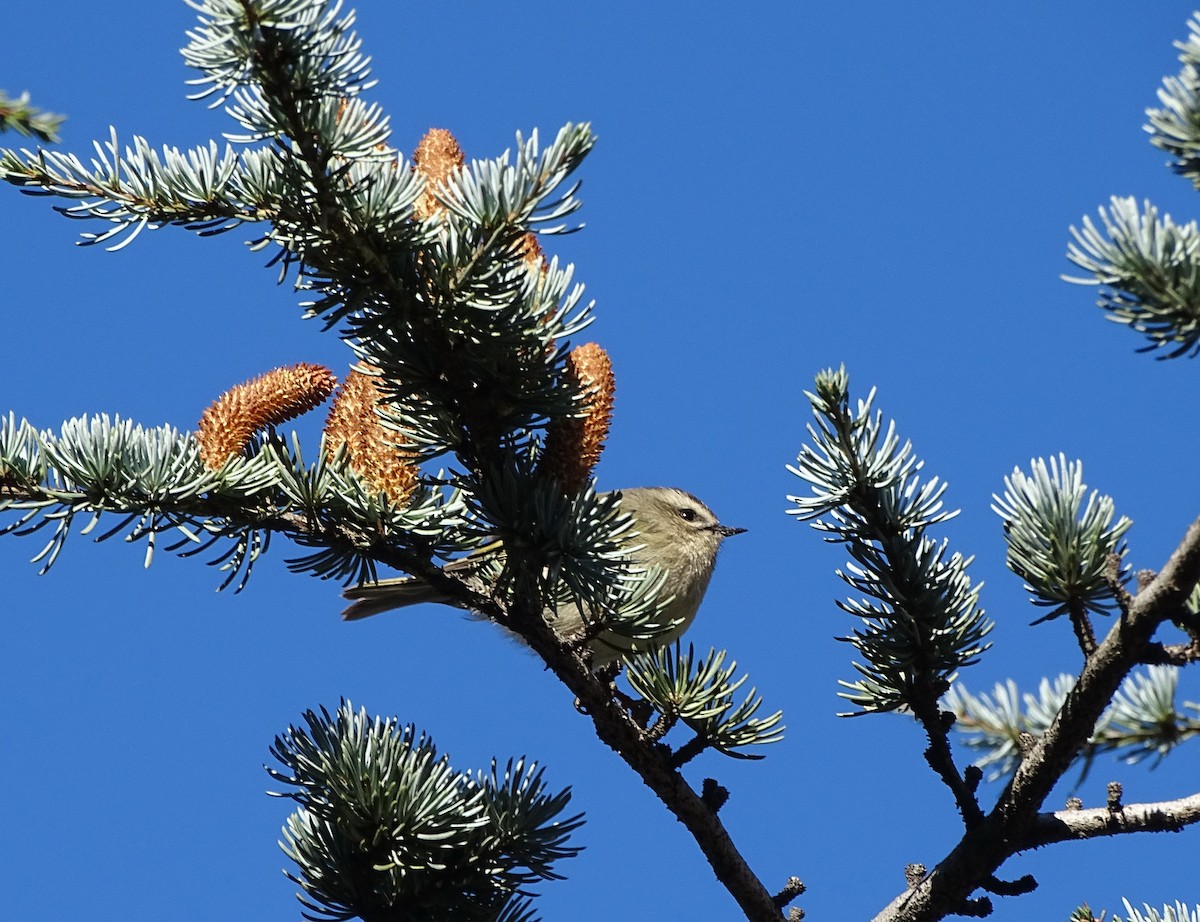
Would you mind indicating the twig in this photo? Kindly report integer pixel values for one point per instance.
(937, 724)
(1084, 634)
(1067, 825)
(1176, 654)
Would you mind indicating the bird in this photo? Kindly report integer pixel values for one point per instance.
(675, 533)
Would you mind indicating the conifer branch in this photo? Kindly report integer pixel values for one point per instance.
(16, 114)
(1012, 825)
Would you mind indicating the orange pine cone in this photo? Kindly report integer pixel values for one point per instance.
(371, 447)
(573, 444)
(227, 426)
(436, 157)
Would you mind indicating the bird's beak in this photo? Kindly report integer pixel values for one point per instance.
(726, 531)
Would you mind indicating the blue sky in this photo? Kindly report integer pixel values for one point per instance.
(777, 188)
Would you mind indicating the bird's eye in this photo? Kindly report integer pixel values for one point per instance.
(688, 514)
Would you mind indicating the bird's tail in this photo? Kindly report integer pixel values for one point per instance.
(374, 598)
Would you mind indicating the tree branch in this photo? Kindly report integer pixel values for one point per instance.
(1015, 823)
(617, 730)
(1067, 825)
(1082, 625)
(937, 724)
(1175, 654)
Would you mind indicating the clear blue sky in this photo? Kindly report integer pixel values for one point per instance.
(777, 187)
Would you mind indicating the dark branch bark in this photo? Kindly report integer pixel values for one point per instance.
(1085, 636)
(937, 724)
(1176, 654)
(617, 730)
(1015, 823)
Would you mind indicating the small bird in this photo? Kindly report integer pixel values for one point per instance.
(676, 533)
